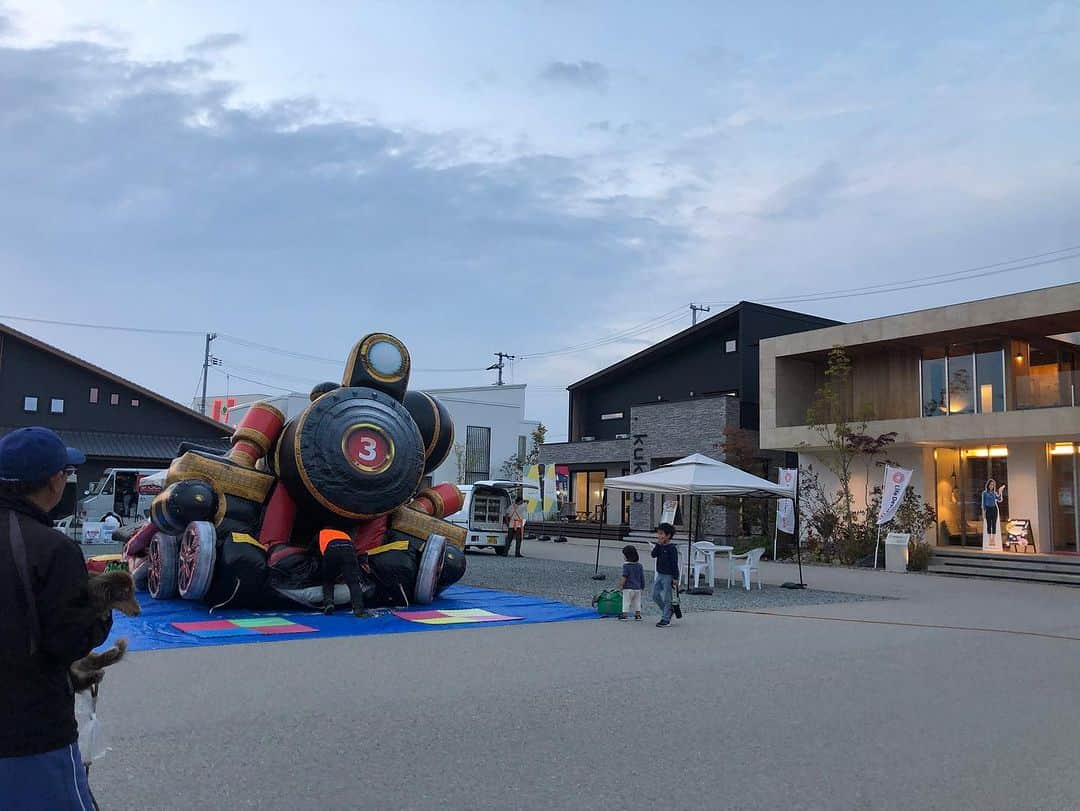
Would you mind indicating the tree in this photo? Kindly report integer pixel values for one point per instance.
(830, 416)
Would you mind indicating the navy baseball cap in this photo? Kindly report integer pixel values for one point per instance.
(35, 454)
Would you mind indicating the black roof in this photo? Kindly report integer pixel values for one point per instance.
(126, 446)
(697, 331)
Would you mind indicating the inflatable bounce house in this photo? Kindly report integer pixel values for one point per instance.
(238, 529)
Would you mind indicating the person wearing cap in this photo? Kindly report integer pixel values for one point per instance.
(46, 624)
(339, 560)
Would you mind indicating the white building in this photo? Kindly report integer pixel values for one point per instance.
(489, 425)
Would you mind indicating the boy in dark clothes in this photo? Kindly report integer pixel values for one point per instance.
(667, 571)
(339, 559)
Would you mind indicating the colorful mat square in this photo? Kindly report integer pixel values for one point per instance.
(245, 626)
(453, 616)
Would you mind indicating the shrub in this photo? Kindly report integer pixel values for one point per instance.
(919, 553)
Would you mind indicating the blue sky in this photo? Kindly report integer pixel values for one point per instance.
(520, 177)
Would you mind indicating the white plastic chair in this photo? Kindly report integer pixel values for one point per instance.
(752, 558)
(703, 562)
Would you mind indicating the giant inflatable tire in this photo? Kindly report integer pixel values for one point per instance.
(431, 563)
(198, 551)
(453, 568)
(163, 555)
(435, 424)
(181, 503)
(354, 453)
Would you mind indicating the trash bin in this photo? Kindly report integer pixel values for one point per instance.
(896, 552)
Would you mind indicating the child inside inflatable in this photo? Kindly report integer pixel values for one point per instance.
(239, 529)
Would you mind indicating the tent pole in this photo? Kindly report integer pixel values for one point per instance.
(599, 534)
(798, 546)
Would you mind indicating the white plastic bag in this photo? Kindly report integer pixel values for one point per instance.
(92, 743)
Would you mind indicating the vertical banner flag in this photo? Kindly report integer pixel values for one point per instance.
(671, 507)
(896, 482)
(785, 507)
(541, 501)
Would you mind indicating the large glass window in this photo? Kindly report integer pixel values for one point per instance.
(961, 367)
(990, 378)
(1065, 488)
(589, 494)
(961, 479)
(935, 393)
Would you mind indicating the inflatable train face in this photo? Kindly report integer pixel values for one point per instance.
(361, 450)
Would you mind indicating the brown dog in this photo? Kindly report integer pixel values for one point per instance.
(107, 591)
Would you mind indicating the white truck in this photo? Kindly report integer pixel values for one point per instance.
(482, 513)
(125, 492)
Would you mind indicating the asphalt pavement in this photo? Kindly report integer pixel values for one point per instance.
(807, 708)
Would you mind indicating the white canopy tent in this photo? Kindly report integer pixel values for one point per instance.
(698, 475)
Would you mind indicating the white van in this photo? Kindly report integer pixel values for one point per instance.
(126, 492)
(482, 513)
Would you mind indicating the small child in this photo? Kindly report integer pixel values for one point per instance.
(339, 558)
(632, 583)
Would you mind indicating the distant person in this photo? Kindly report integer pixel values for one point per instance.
(339, 560)
(667, 571)
(632, 583)
(515, 522)
(46, 624)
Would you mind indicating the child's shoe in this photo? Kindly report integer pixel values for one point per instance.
(328, 609)
(622, 616)
(663, 623)
(638, 617)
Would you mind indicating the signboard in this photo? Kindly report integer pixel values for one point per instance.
(1018, 537)
(897, 538)
(785, 507)
(893, 487)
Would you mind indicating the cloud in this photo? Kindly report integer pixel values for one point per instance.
(807, 196)
(284, 223)
(583, 75)
(213, 44)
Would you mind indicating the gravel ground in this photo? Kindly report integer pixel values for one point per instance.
(571, 583)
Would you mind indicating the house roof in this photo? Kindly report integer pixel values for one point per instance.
(125, 446)
(142, 390)
(697, 331)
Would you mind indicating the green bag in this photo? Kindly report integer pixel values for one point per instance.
(608, 603)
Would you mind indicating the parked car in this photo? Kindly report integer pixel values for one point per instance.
(482, 513)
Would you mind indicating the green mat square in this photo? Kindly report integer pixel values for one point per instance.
(262, 622)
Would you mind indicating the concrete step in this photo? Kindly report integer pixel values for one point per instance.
(1029, 568)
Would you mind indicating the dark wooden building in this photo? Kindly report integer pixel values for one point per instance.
(675, 398)
(115, 422)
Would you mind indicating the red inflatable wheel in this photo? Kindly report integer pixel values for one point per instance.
(161, 577)
(198, 552)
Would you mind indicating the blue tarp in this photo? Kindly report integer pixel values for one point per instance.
(152, 630)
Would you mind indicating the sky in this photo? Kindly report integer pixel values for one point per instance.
(556, 180)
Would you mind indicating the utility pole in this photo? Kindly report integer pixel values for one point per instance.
(503, 357)
(206, 367)
(694, 310)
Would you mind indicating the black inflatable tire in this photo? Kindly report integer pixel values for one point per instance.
(322, 463)
(427, 576)
(197, 555)
(435, 424)
(163, 555)
(453, 568)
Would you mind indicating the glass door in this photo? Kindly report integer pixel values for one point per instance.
(1065, 484)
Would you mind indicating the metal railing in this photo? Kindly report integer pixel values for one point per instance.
(1054, 390)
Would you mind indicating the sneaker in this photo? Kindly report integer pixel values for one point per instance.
(328, 609)
(663, 623)
(638, 618)
(622, 616)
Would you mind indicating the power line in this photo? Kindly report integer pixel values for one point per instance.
(110, 327)
(653, 323)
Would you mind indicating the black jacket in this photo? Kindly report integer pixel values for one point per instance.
(667, 558)
(37, 705)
